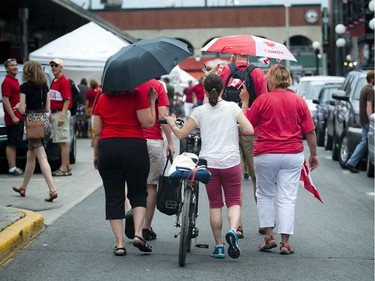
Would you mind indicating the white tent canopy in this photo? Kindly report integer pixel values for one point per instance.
(84, 51)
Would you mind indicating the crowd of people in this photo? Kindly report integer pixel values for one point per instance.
(130, 146)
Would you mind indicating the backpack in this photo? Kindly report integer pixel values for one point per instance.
(75, 96)
(233, 85)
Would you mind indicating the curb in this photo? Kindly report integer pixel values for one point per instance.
(17, 235)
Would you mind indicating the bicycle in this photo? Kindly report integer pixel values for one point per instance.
(187, 213)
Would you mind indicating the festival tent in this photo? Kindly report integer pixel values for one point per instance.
(84, 51)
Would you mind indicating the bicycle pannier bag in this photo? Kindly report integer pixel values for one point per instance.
(168, 196)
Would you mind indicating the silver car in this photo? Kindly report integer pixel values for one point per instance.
(370, 151)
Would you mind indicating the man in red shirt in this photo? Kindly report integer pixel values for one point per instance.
(61, 102)
(190, 99)
(246, 141)
(155, 145)
(199, 92)
(13, 118)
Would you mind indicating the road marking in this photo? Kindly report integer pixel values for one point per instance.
(370, 193)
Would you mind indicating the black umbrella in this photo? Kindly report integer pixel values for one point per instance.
(142, 61)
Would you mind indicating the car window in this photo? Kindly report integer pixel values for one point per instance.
(327, 95)
(347, 87)
(313, 92)
(357, 90)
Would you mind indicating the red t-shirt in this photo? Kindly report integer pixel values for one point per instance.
(155, 133)
(119, 113)
(90, 96)
(60, 91)
(279, 118)
(189, 95)
(11, 88)
(199, 92)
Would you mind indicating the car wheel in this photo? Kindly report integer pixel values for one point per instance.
(343, 151)
(369, 168)
(327, 140)
(335, 149)
(73, 150)
(320, 136)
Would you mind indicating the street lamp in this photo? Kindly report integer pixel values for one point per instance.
(340, 43)
(316, 47)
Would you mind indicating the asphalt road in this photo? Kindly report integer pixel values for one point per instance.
(333, 240)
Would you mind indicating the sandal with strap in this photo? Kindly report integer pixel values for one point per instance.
(143, 246)
(52, 196)
(286, 249)
(119, 251)
(239, 232)
(20, 190)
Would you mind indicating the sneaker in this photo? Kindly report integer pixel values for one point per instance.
(16, 172)
(218, 253)
(148, 234)
(232, 240)
(286, 249)
(352, 168)
(267, 244)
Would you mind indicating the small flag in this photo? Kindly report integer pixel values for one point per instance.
(307, 181)
(235, 82)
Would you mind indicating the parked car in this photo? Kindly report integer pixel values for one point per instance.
(347, 132)
(325, 107)
(305, 81)
(52, 151)
(370, 151)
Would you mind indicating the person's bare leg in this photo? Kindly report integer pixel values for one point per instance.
(29, 169)
(216, 222)
(139, 217)
(45, 168)
(151, 204)
(118, 230)
(64, 150)
(234, 214)
(10, 152)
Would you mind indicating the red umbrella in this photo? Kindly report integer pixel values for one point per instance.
(249, 45)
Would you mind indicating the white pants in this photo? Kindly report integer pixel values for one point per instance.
(188, 108)
(281, 171)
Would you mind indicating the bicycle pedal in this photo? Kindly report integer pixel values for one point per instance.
(202, 246)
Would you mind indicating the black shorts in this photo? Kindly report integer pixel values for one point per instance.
(15, 134)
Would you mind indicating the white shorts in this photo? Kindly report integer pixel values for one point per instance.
(157, 160)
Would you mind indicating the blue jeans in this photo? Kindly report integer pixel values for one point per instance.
(361, 147)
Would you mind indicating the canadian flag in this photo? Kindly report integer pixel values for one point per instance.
(307, 181)
(235, 82)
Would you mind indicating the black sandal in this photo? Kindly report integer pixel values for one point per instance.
(119, 251)
(144, 246)
(239, 232)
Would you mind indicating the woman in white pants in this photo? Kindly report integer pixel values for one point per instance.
(280, 119)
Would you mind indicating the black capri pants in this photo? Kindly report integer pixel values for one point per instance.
(123, 160)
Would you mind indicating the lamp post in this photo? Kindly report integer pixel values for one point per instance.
(316, 47)
(340, 43)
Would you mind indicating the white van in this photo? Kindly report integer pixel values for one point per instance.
(305, 81)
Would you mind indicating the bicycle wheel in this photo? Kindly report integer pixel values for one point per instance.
(185, 226)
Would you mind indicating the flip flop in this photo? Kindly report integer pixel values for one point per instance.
(143, 246)
(129, 225)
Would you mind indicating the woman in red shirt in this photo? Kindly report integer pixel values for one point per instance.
(121, 155)
(280, 118)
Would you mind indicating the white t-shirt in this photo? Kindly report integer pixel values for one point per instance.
(219, 133)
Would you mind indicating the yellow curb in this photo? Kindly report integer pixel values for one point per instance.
(19, 234)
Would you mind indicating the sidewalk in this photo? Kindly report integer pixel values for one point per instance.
(23, 218)
(17, 228)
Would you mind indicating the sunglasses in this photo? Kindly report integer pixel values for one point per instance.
(54, 65)
(8, 61)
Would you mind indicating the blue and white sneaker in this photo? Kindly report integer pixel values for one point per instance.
(232, 240)
(218, 253)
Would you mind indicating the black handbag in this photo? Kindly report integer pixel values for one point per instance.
(168, 197)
